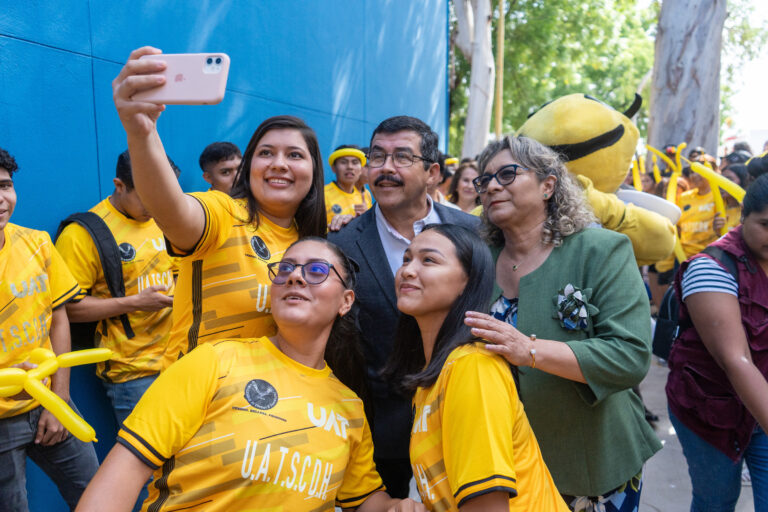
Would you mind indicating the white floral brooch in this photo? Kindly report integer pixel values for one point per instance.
(573, 308)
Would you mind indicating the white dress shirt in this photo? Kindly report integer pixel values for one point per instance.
(394, 243)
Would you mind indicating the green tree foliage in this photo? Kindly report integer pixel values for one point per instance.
(601, 47)
(557, 47)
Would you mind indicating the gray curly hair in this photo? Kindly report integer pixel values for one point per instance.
(567, 209)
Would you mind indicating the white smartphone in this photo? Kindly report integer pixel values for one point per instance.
(190, 79)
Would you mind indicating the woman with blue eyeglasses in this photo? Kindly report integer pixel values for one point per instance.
(570, 311)
(258, 423)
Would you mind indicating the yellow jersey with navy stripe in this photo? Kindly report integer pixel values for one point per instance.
(34, 280)
(223, 285)
(145, 263)
(238, 425)
(695, 224)
(339, 202)
(471, 436)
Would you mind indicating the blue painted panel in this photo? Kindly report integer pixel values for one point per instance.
(61, 24)
(306, 53)
(406, 62)
(48, 126)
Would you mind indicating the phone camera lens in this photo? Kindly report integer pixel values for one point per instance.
(218, 60)
(209, 61)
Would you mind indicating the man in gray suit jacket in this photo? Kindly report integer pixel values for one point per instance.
(402, 162)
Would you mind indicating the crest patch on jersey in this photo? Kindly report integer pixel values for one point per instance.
(260, 248)
(261, 394)
(127, 251)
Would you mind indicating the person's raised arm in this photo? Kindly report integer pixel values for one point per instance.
(179, 216)
(717, 318)
(116, 484)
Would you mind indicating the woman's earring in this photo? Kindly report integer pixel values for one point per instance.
(546, 196)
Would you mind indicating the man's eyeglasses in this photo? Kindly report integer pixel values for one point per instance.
(399, 158)
(313, 272)
(504, 176)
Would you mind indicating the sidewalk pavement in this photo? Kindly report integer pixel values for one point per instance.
(666, 484)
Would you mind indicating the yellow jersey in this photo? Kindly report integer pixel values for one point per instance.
(732, 217)
(338, 202)
(34, 281)
(238, 425)
(471, 436)
(695, 224)
(145, 263)
(223, 285)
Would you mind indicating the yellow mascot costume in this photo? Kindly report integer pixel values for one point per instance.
(598, 144)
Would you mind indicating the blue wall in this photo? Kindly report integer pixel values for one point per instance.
(341, 65)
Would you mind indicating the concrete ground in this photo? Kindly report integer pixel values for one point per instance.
(667, 486)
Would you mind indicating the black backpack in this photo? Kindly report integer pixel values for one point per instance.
(667, 324)
(83, 333)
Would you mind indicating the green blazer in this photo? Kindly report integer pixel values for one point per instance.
(594, 436)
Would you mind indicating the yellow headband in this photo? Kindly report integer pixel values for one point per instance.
(347, 152)
(451, 161)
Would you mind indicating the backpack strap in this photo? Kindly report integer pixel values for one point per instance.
(728, 261)
(109, 255)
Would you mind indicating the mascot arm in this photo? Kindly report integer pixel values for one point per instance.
(651, 234)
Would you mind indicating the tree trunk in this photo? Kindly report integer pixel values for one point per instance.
(480, 80)
(685, 90)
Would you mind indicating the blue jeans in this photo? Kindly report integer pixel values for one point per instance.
(716, 479)
(125, 395)
(70, 464)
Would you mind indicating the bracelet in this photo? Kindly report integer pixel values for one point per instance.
(533, 352)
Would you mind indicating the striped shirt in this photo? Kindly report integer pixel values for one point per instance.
(705, 275)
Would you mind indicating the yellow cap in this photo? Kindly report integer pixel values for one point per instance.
(347, 152)
(451, 161)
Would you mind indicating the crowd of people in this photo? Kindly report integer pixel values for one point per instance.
(283, 344)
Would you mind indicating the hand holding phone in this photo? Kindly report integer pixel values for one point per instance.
(190, 79)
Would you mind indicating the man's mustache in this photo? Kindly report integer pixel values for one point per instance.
(387, 178)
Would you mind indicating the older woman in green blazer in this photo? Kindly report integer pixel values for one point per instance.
(571, 312)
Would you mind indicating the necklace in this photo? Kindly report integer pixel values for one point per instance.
(516, 266)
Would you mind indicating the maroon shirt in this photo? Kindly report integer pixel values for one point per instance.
(698, 390)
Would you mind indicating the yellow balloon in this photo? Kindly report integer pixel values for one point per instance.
(718, 180)
(680, 148)
(13, 380)
(92, 355)
(679, 252)
(12, 377)
(636, 176)
(656, 172)
(672, 187)
(44, 369)
(10, 390)
(59, 408)
(40, 354)
(670, 163)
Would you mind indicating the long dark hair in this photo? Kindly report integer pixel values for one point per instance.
(405, 368)
(453, 195)
(310, 216)
(342, 352)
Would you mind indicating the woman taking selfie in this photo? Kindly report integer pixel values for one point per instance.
(225, 242)
(471, 445)
(718, 367)
(260, 423)
(571, 311)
